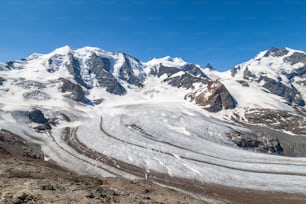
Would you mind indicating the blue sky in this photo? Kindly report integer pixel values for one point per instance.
(220, 32)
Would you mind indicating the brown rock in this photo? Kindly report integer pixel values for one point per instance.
(213, 98)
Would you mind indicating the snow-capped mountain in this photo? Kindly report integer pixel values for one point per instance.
(83, 72)
(165, 119)
(273, 80)
(278, 71)
(269, 85)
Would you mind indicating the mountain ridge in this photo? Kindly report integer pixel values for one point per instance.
(273, 70)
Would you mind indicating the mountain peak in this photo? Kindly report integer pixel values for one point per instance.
(87, 49)
(62, 50)
(209, 66)
(167, 61)
(276, 52)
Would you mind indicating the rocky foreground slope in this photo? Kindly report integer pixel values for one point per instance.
(28, 181)
(26, 178)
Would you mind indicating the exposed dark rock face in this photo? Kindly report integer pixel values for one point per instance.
(112, 85)
(220, 98)
(100, 67)
(38, 117)
(278, 120)
(74, 69)
(291, 94)
(165, 70)
(251, 141)
(296, 58)
(10, 65)
(276, 52)
(234, 71)
(189, 69)
(75, 91)
(54, 63)
(194, 70)
(126, 73)
(248, 75)
(248, 143)
(2, 80)
(300, 72)
(185, 81)
(215, 98)
(209, 66)
(190, 74)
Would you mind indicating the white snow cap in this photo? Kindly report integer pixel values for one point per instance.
(62, 50)
(167, 61)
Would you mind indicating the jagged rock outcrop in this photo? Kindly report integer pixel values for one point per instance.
(54, 63)
(126, 72)
(209, 66)
(100, 68)
(36, 116)
(194, 71)
(169, 71)
(74, 68)
(73, 91)
(289, 93)
(248, 75)
(185, 80)
(300, 72)
(164, 70)
(276, 52)
(296, 58)
(184, 77)
(213, 97)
